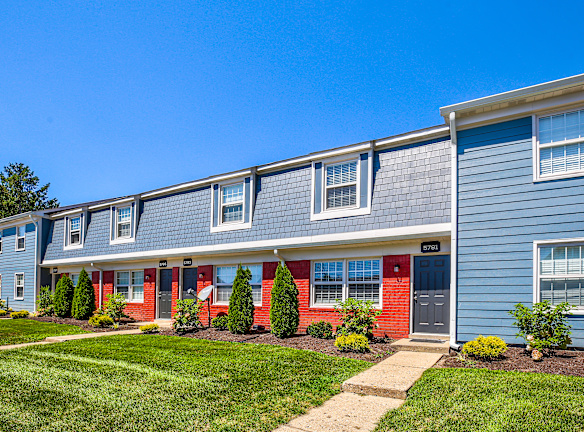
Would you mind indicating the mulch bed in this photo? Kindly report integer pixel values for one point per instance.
(565, 362)
(380, 348)
(83, 324)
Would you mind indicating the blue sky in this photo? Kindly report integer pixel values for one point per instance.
(104, 99)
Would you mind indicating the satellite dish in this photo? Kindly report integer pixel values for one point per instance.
(206, 292)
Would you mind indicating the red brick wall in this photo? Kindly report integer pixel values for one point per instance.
(174, 293)
(95, 283)
(139, 311)
(395, 320)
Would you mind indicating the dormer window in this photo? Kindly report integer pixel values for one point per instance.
(124, 220)
(74, 227)
(341, 185)
(232, 204)
(75, 231)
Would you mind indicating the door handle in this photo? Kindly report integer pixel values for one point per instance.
(415, 296)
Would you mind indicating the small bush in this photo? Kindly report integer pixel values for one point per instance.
(114, 307)
(320, 330)
(241, 308)
(186, 317)
(284, 314)
(83, 298)
(2, 304)
(64, 297)
(352, 343)
(2, 312)
(220, 322)
(101, 321)
(19, 314)
(357, 317)
(45, 302)
(150, 328)
(485, 348)
(545, 328)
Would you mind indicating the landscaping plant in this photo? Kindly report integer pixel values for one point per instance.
(2, 312)
(241, 308)
(19, 314)
(320, 330)
(64, 297)
(114, 307)
(45, 302)
(150, 328)
(186, 317)
(101, 321)
(485, 348)
(220, 322)
(83, 297)
(284, 314)
(352, 343)
(545, 328)
(2, 304)
(357, 316)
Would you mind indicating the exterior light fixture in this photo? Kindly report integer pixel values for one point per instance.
(396, 268)
(201, 275)
(147, 277)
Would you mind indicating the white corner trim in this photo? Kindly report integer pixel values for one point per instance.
(453, 333)
(356, 237)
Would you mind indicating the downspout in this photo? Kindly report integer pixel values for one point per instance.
(36, 263)
(282, 260)
(453, 231)
(100, 283)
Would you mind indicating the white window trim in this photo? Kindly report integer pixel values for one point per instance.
(222, 303)
(231, 226)
(1, 241)
(133, 222)
(130, 286)
(345, 281)
(23, 286)
(536, 147)
(345, 211)
(536, 276)
(17, 237)
(67, 232)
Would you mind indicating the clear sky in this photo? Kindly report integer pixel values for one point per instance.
(104, 99)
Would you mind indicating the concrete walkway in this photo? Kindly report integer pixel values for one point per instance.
(64, 338)
(367, 396)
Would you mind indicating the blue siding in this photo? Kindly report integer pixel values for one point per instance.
(501, 212)
(12, 261)
(411, 187)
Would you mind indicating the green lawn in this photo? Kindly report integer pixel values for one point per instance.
(469, 400)
(16, 331)
(163, 383)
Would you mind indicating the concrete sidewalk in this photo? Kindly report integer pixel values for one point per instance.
(367, 396)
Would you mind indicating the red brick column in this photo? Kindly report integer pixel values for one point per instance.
(95, 283)
(148, 312)
(395, 319)
(175, 276)
(108, 284)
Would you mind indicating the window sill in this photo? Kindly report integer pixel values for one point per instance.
(255, 305)
(19, 250)
(18, 298)
(231, 227)
(73, 247)
(341, 213)
(122, 241)
(569, 175)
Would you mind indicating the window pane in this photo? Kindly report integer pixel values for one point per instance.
(123, 278)
(75, 238)
(226, 274)
(344, 196)
(21, 231)
(328, 271)
(124, 230)
(364, 270)
(21, 243)
(558, 291)
(256, 291)
(560, 264)
(233, 213)
(328, 294)
(75, 224)
(546, 265)
(137, 293)
(558, 128)
(124, 291)
(256, 274)
(223, 293)
(574, 263)
(124, 214)
(75, 279)
(232, 193)
(341, 173)
(138, 278)
(545, 161)
(364, 291)
(19, 280)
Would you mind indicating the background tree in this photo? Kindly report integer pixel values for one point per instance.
(20, 191)
(64, 297)
(284, 314)
(83, 297)
(241, 307)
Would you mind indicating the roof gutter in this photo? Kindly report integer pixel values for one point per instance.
(453, 230)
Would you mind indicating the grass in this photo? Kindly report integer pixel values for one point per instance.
(16, 331)
(471, 400)
(163, 383)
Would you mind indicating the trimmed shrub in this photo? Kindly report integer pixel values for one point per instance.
(545, 328)
(485, 348)
(2, 304)
(2, 312)
(100, 321)
(45, 302)
(64, 297)
(220, 322)
(19, 314)
(114, 307)
(241, 308)
(357, 317)
(320, 330)
(186, 317)
(352, 343)
(150, 328)
(83, 297)
(284, 314)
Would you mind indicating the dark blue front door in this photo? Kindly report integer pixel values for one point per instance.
(165, 294)
(432, 294)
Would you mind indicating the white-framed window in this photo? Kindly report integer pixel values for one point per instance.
(21, 238)
(75, 230)
(224, 277)
(74, 278)
(560, 274)
(341, 185)
(232, 204)
(124, 222)
(560, 145)
(130, 284)
(19, 286)
(340, 279)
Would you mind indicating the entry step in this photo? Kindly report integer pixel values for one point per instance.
(422, 344)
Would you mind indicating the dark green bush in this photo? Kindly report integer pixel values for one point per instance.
(485, 348)
(352, 343)
(64, 297)
(83, 297)
(101, 321)
(357, 317)
(19, 314)
(220, 322)
(241, 308)
(320, 330)
(186, 317)
(284, 314)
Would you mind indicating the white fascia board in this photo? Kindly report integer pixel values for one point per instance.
(112, 203)
(20, 219)
(379, 235)
(67, 213)
(412, 137)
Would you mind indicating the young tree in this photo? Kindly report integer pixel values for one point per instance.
(284, 314)
(64, 297)
(241, 307)
(20, 191)
(83, 297)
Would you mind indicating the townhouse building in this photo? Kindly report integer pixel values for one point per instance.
(380, 220)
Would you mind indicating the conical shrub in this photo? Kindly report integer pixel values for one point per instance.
(83, 298)
(284, 314)
(241, 308)
(64, 297)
